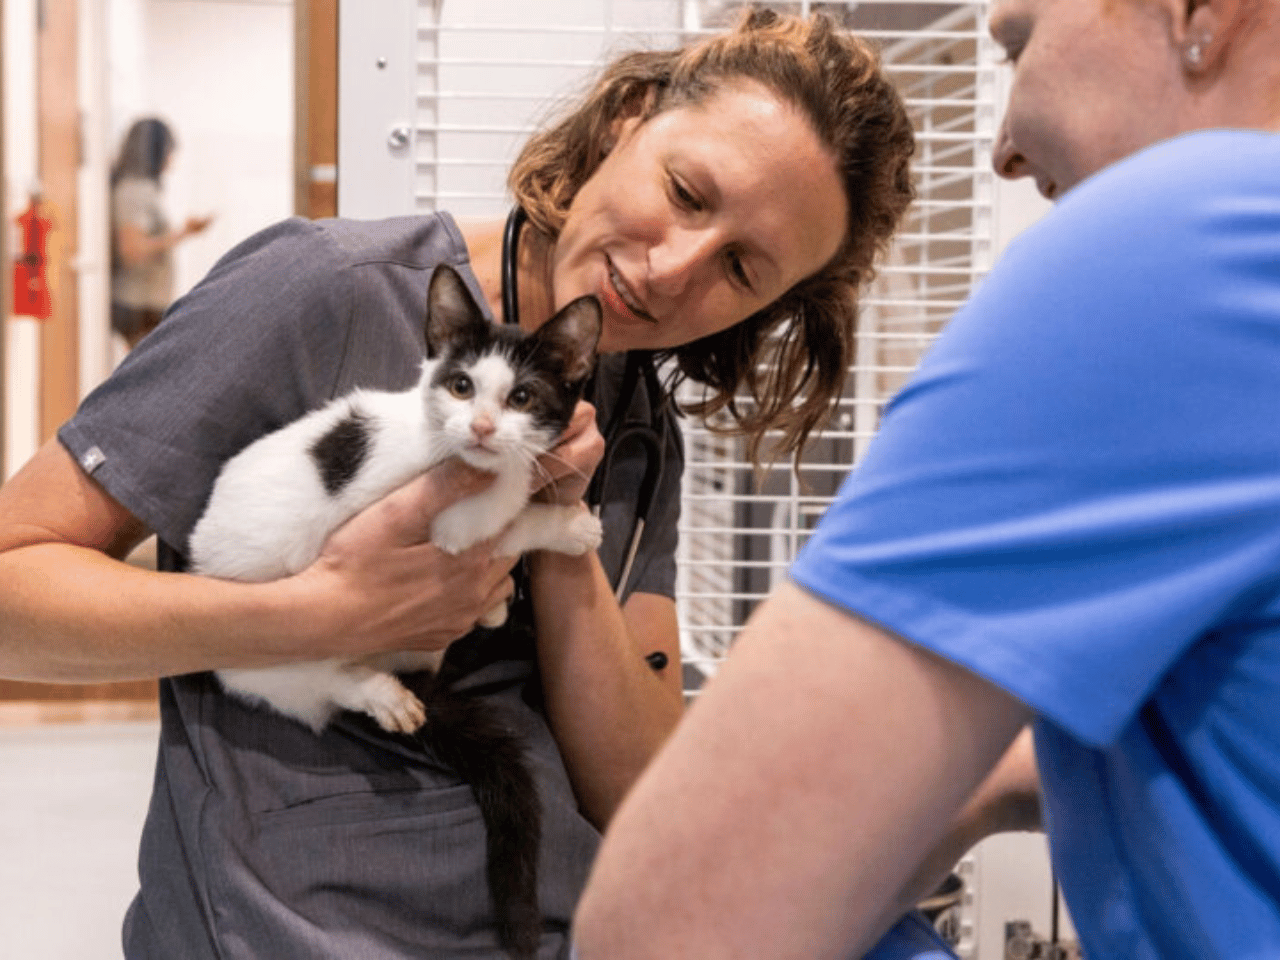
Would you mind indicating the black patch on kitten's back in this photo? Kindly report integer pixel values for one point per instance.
(339, 453)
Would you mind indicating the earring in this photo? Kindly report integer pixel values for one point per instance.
(1193, 53)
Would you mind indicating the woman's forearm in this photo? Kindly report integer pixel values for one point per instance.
(609, 709)
(71, 612)
(73, 615)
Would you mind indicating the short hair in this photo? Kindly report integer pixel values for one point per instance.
(790, 358)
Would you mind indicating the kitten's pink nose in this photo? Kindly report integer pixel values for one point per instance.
(482, 428)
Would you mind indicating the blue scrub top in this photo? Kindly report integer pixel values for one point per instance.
(1078, 498)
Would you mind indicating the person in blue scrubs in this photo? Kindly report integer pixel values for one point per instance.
(1070, 520)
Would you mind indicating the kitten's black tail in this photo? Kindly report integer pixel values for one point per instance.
(467, 734)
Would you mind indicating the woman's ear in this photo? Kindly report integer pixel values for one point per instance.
(621, 129)
(1210, 28)
(637, 108)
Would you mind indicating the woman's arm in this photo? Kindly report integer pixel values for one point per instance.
(71, 611)
(1007, 800)
(135, 246)
(610, 711)
(798, 797)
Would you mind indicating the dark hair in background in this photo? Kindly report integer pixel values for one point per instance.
(789, 359)
(144, 151)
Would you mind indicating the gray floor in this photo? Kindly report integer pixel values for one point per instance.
(72, 799)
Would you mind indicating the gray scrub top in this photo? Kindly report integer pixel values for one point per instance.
(263, 839)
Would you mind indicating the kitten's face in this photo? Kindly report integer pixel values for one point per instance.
(497, 396)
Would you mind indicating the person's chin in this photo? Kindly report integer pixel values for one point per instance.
(620, 337)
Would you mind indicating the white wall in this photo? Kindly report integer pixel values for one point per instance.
(221, 73)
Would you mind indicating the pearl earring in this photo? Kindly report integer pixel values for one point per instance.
(1194, 52)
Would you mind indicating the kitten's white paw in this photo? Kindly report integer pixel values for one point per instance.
(583, 533)
(389, 702)
(495, 617)
(448, 544)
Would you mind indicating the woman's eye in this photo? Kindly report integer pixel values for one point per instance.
(684, 196)
(520, 398)
(737, 269)
(462, 387)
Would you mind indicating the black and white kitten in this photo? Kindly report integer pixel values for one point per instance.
(495, 397)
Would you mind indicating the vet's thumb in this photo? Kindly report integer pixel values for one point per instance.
(411, 509)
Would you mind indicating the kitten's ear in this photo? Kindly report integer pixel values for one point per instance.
(574, 333)
(452, 313)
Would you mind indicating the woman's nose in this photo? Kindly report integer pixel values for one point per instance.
(680, 257)
(1007, 159)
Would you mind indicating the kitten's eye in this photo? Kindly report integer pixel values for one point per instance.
(460, 386)
(520, 398)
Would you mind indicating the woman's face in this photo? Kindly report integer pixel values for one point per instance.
(699, 217)
(1093, 81)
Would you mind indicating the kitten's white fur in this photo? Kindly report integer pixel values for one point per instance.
(269, 516)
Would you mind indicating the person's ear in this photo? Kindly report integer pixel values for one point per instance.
(1208, 30)
(638, 109)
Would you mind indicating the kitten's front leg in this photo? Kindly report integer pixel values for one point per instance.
(542, 526)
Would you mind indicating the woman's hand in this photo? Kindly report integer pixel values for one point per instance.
(563, 473)
(195, 225)
(391, 589)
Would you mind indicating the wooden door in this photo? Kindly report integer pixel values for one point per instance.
(58, 134)
(316, 108)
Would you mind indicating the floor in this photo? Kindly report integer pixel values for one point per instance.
(72, 801)
(73, 796)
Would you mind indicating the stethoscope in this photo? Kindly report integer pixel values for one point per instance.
(650, 436)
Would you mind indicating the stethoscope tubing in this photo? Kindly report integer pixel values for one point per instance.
(619, 429)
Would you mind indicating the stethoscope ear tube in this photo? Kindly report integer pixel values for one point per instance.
(651, 436)
(510, 250)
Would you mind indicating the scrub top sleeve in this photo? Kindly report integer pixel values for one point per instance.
(1074, 488)
(247, 350)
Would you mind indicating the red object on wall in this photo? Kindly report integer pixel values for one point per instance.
(30, 276)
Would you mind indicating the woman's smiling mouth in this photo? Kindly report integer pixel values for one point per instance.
(623, 300)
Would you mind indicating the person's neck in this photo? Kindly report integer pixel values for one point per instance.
(533, 269)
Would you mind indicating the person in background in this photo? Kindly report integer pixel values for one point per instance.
(1070, 516)
(725, 201)
(142, 241)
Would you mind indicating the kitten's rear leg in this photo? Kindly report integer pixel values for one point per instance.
(382, 697)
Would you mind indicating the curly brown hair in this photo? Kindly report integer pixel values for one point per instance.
(790, 359)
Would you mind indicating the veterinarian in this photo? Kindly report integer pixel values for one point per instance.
(1071, 516)
(725, 202)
